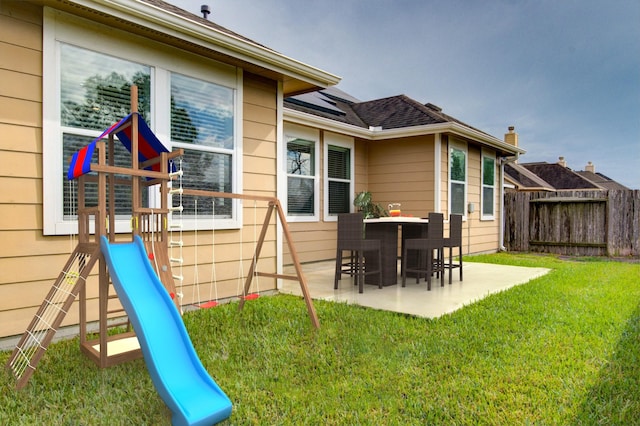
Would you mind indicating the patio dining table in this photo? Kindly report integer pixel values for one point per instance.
(386, 229)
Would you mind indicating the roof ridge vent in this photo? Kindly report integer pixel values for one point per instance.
(205, 10)
(433, 107)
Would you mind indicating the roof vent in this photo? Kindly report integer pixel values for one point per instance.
(433, 107)
(205, 10)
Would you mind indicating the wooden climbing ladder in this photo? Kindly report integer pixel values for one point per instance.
(35, 340)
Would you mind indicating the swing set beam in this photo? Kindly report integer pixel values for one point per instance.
(274, 204)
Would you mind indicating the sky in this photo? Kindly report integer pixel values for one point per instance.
(564, 73)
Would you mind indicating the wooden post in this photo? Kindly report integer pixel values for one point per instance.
(296, 262)
(135, 181)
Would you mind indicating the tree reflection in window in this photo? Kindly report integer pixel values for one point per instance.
(95, 93)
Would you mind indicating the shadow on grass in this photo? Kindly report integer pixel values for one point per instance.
(615, 397)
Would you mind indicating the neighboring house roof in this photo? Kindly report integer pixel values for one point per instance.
(601, 180)
(386, 118)
(162, 21)
(559, 176)
(545, 176)
(524, 179)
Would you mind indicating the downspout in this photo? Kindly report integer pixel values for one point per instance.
(503, 161)
(281, 179)
(437, 168)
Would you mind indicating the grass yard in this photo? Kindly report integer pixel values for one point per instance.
(562, 349)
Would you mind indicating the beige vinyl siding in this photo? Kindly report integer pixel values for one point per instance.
(260, 168)
(31, 262)
(484, 233)
(444, 176)
(402, 170)
(361, 166)
(27, 260)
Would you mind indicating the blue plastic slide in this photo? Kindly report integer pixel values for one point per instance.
(184, 385)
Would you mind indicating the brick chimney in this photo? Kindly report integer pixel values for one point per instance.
(590, 167)
(562, 161)
(512, 137)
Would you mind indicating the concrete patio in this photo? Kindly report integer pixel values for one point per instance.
(479, 280)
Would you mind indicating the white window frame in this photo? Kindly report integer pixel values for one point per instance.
(293, 131)
(59, 27)
(345, 142)
(491, 156)
(461, 147)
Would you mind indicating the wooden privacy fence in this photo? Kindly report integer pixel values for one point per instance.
(584, 223)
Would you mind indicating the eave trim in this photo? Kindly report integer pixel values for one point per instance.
(297, 117)
(183, 28)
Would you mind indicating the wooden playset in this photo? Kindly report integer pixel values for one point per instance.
(151, 165)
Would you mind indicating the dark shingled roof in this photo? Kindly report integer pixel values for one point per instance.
(601, 180)
(394, 112)
(524, 178)
(560, 177)
(397, 112)
(197, 18)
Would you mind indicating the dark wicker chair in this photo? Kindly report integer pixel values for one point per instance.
(454, 241)
(427, 264)
(351, 239)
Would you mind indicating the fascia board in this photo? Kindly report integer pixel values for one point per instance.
(305, 119)
(180, 27)
(489, 140)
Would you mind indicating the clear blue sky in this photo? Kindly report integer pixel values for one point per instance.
(565, 73)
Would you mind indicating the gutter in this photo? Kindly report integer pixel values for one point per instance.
(182, 28)
(378, 134)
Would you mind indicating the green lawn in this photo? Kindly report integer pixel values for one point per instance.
(562, 349)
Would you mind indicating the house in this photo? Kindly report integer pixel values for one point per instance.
(65, 71)
(239, 110)
(400, 150)
(543, 176)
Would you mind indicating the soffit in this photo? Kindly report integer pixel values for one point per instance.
(151, 19)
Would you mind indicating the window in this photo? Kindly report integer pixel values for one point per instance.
(458, 180)
(488, 186)
(302, 168)
(202, 123)
(301, 174)
(93, 96)
(339, 175)
(87, 74)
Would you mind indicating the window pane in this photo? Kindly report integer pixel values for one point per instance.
(95, 92)
(458, 165)
(122, 158)
(202, 113)
(487, 201)
(207, 171)
(95, 88)
(339, 197)
(339, 164)
(488, 171)
(301, 158)
(300, 197)
(457, 198)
